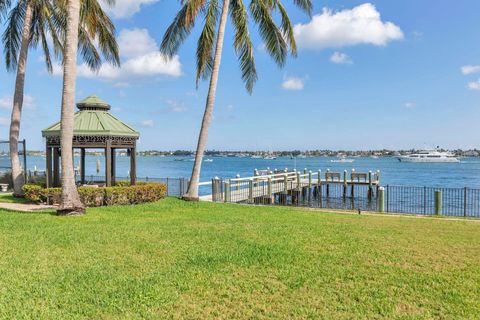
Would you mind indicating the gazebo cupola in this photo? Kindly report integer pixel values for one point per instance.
(94, 128)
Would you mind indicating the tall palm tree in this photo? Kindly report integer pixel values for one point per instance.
(70, 203)
(29, 22)
(278, 39)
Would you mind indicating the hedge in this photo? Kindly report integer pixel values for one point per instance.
(101, 196)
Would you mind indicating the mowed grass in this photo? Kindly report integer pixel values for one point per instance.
(9, 198)
(175, 259)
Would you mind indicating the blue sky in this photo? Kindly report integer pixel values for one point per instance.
(369, 75)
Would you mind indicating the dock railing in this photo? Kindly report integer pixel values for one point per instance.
(346, 191)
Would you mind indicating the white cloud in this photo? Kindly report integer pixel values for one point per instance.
(140, 58)
(340, 58)
(410, 105)
(292, 83)
(126, 8)
(470, 69)
(6, 102)
(176, 106)
(360, 25)
(147, 123)
(475, 85)
(135, 42)
(4, 121)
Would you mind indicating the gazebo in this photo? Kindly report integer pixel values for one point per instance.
(94, 128)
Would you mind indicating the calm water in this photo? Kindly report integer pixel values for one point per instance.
(393, 172)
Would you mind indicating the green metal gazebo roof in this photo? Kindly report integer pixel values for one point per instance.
(93, 119)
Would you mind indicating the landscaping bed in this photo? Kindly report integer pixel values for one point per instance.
(101, 196)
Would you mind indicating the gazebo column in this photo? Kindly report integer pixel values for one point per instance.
(113, 166)
(108, 163)
(56, 167)
(133, 166)
(48, 169)
(82, 166)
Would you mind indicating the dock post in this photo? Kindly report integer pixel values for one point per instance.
(345, 183)
(319, 182)
(250, 191)
(370, 186)
(269, 190)
(438, 203)
(305, 171)
(238, 182)
(299, 182)
(227, 192)
(285, 189)
(309, 185)
(328, 185)
(377, 179)
(381, 199)
(353, 185)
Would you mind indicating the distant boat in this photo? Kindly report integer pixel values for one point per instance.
(208, 160)
(256, 157)
(302, 156)
(374, 157)
(342, 160)
(270, 158)
(429, 156)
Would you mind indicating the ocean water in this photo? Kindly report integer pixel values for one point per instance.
(463, 174)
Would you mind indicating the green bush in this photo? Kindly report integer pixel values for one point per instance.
(91, 196)
(52, 195)
(103, 196)
(34, 193)
(126, 183)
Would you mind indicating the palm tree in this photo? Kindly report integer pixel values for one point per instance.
(70, 203)
(279, 40)
(29, 22)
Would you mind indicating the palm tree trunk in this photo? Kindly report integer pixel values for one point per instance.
(192, 192)
(70, 202)
(17, 172)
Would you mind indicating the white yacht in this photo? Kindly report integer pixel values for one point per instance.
(342, 159)
(430, 156)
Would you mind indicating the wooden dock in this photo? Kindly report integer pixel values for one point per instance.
(263, 188)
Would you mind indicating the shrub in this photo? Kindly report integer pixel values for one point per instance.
(126, 183)
(96, 197)
(52, 195)
(34, 193)
(91, 196)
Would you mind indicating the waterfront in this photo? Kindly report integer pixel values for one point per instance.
(447, 175)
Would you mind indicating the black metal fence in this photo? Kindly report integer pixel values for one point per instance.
(458, 202)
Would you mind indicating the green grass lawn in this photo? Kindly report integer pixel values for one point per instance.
(174, 259)
(9, 198)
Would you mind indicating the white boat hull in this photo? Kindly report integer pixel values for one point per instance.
(428, 160)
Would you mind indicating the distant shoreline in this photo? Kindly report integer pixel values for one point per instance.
(288, 153)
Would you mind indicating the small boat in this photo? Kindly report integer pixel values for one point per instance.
(208, 160)
(270, 158)
(256, 157)
(342, 160)
(374, 157)
(429, 156)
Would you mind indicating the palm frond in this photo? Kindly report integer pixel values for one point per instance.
(243, 44)
(305, 5)
(287, 28)
(181, 26)
(12, 36)
(272, 36)
(4, 6)
(206, 42)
